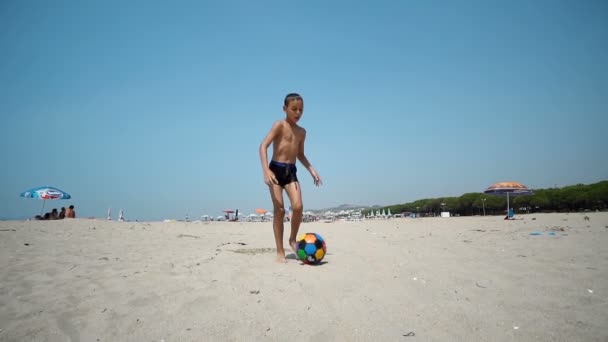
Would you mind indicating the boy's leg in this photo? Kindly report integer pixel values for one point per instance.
(276, 194)
(294, 193)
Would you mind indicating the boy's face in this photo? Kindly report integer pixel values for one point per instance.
(294, 110)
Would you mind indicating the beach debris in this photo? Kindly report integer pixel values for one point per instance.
(478, 285)
(410, 334)
(26, 244)
(590, 290)
(190, 236)
(104, 310)
(477, 230)
(8, 230)
(467, 241)
(534, 219)
(414, 278)
(104, 258)
(516, 328)
(228, 243)
(254, 291)
(587, 218)
(521, 256)
(254, 251)
(536, 233)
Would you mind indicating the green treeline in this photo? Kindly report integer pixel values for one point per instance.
(570, 198)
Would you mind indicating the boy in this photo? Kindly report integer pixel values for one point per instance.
(287, 139)
(70, 213)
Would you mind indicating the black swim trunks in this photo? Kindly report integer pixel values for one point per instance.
(284, 172)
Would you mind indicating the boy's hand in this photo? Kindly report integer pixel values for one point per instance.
(270, 178)
(316, 178)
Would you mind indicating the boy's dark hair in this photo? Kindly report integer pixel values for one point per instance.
(72, 207)
(292, 97)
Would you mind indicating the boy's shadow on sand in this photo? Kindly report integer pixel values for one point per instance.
(292, 256)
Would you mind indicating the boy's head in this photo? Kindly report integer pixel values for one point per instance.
(71, 207)
(292, 97)
(293, 107)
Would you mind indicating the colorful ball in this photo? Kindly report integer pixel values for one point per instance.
(311, 248)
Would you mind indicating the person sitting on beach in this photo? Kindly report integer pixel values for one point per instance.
(62, 213)
(54, 214)
(510, 214)
(287, 139)
(70, 212)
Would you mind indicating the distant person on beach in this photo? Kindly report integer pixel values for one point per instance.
(54, 214)
(287, 140)
(70, 212)
(510, 214)
(62, 213)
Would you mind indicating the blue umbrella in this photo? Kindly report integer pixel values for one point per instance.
(45, 193)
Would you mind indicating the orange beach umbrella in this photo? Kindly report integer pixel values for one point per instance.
(509, 189)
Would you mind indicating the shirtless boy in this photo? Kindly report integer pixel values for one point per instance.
(287, 139)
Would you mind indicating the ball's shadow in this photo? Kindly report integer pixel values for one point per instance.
(292, 256)
(317, 264)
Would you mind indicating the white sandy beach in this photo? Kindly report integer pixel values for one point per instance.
(442, 279)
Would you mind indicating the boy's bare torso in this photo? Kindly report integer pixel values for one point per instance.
(287, 143)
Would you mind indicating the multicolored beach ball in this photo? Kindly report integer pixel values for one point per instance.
(311, 248)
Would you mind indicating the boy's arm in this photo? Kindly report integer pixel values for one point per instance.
(269, 177)
(302, 158)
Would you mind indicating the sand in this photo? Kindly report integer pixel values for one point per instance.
(425, 279)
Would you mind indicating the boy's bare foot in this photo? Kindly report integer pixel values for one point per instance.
(281, 259)
(294, 247)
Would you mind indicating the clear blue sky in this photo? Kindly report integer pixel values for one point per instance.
(158, 107)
